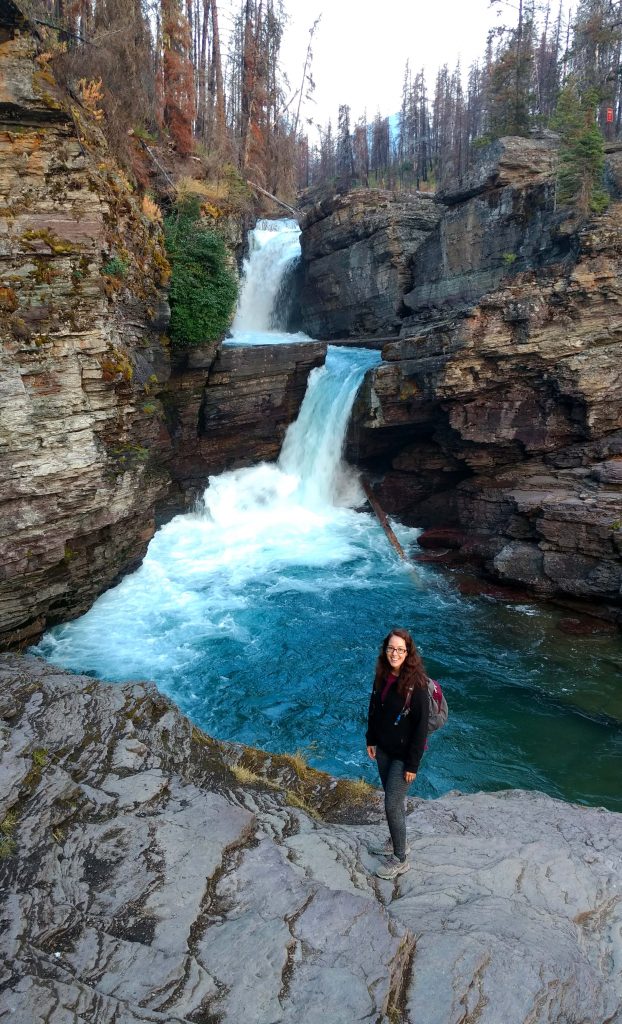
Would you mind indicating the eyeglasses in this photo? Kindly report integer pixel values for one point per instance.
(396, 650)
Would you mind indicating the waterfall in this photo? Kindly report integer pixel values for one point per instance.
(310, 476)
(260, 614)
(255, 530)
(274, 246)
(273, 557)
(313, 444)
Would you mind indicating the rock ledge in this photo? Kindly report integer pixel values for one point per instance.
(150, 873)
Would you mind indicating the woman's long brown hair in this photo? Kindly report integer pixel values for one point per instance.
(412, 673)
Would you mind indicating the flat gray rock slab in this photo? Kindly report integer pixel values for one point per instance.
(142, 879)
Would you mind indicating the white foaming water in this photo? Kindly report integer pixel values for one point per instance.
(260, 614)
(312, 446)
(259, 532)
(273, 246)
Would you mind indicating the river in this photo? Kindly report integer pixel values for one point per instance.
(261, 612)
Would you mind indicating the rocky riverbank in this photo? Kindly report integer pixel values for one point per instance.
(150, 873)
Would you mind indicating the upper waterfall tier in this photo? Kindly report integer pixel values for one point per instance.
(274, 247)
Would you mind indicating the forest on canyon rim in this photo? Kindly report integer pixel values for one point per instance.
(196, 89)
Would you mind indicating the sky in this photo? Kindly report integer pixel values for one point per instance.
(360, 47)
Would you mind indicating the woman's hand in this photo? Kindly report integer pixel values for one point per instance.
(408, 776)
(372, 753)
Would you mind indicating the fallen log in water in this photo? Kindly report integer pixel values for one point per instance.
(382, 519)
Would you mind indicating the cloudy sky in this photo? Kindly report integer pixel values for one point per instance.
(360, 47)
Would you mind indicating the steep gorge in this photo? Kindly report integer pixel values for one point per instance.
(495, 417)
(103, 430)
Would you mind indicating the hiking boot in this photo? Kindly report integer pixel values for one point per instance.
(384, 849)
(393, 867)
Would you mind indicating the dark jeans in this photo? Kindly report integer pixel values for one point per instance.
(391, 773)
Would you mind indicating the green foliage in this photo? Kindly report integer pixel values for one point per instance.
(144, 135)
(582, 153)
(481, 141)
(509, 258)
(8, 845)
(510, 86)
(203, 288)
(115, 267)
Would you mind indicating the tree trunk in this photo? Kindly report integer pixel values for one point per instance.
(201, 127)
(216, 64)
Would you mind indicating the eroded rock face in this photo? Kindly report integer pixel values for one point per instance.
(230, 406)
(82, 302)
(504, 418)
(95, 441)
(499, 220)
(356, 255)
(149, 873)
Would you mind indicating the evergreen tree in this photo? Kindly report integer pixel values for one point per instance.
(582, 156)
(380, 158)
(595, 56)
(510, 98)
(360, 147)
(345, 153)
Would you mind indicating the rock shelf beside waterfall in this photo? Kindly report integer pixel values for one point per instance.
(151, 873)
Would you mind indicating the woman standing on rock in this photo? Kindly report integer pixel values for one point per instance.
(397, 728)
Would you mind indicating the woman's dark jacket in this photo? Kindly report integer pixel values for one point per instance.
(402, 736)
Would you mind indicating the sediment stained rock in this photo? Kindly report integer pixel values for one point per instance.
(149, 873)
(356, 255)
(83, 443)
(504, 418)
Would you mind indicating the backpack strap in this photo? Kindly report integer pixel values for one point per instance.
(437, 695)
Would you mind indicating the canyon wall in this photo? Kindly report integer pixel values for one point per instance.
(355, 264)
(82, 305)
(230, 407)
(495, 419)
(103, 432)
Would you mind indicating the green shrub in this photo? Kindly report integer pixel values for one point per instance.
(203, 289)
(115, 267)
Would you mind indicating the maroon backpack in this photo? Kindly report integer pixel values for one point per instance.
(438, 706)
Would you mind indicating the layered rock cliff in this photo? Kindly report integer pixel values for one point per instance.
(99, 435)
(82, 363)
(150, 873)
(355, 264)
(230, 407)
(496, 416)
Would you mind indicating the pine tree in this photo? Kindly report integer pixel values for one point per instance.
(345, 153)
(582, 155)
(511, 77)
